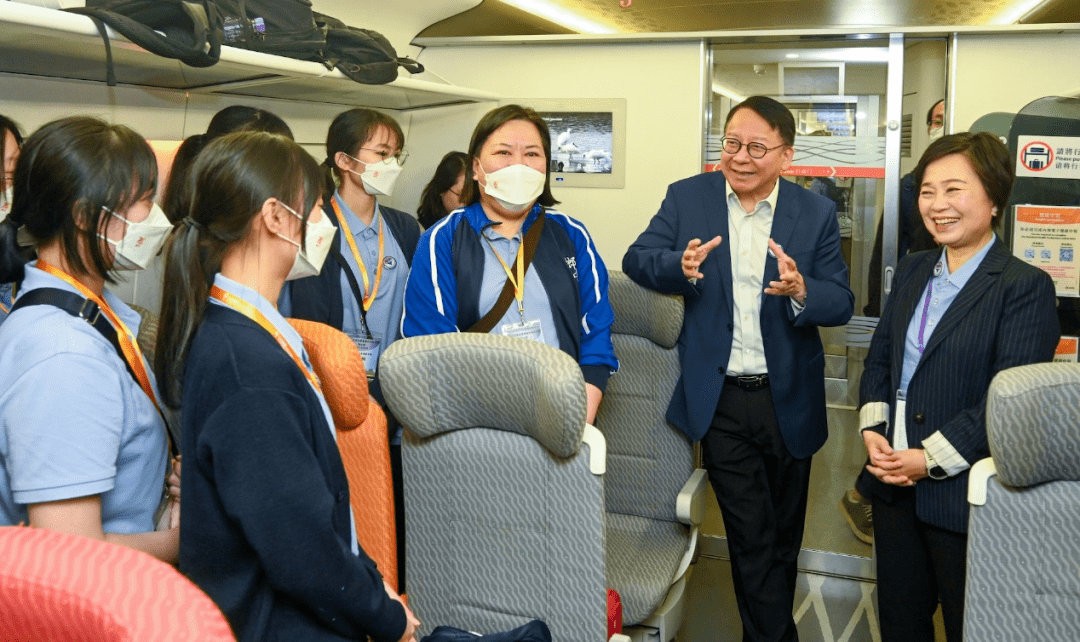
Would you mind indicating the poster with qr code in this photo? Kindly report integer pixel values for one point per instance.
(1048, 237)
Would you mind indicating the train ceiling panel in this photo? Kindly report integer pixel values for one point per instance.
(496, 18)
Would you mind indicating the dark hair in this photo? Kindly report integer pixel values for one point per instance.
(231, 180)
(431, 209)
(348, 133)
(68, 173)
(492, 121)
(235, 118)
(930, 112)
(776, 114)
(988, 157)
(241, 118)
(8, 125)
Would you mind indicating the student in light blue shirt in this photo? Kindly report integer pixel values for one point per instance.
(83, 447)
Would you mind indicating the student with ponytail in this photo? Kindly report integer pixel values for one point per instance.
(268, 532)
(83, 446)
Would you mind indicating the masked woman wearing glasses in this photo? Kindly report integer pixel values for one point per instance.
(361, 287)
(473, 271)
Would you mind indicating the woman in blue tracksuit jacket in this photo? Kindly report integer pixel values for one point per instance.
(464, 261)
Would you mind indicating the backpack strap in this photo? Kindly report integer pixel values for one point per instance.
(502, 304)
(78, 306)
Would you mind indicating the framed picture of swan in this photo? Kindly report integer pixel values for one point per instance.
(588, 137)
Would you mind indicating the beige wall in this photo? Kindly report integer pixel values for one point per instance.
(662, 87)
(1005, 72)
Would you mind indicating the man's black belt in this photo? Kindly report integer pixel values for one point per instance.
(749, 383)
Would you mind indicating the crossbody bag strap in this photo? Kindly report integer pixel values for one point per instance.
(502, 304)
(87, 310)
(354, 285)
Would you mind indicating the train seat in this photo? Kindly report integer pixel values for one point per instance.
(504, 485)
(654, 496)
(1022, 578)
(362, 440)
(62, 587)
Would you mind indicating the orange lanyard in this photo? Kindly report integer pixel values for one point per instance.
(372, 290)
(127, 340)
(249, 311)
(519, 283)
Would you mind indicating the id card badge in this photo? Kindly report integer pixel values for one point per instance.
(900, 441)
(369, 350)
(525, 330)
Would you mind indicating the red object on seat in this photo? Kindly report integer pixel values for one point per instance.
(614, 613)
(65, 588)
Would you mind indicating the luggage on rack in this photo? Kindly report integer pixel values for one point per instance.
(280, 27)
(186, 30)
(364, 55)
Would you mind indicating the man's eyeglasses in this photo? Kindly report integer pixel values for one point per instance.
(756, 150)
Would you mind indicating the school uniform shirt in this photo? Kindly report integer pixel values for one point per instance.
(267, 525)
(456, 278)
(73, 421)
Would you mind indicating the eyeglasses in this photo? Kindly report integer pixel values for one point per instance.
(386, 156)
(756, 150)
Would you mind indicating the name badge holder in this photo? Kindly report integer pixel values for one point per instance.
(525, 330)
(369, 346)
(900, 437)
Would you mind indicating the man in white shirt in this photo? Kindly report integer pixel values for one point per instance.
(753, 385)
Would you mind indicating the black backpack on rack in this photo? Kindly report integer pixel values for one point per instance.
(187, 30)
(361, 54)
(280, 27)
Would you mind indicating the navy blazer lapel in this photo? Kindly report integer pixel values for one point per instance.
(785, 217)
(908, 301)
(718, 226)
(984, 276)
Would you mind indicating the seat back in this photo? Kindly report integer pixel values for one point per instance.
(1024, 530)
(648, 460)
(60, 587)
(503, 503)
(362, 440)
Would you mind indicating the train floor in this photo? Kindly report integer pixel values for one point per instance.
(835, 600)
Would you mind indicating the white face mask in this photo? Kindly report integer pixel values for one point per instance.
(311, 256)
(141, 241)
(378, 177)
(5, 201)
(515, 187)
(936, 133)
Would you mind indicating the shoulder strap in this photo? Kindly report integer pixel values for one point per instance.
(502, 304)
(354, 286)
(78, 306)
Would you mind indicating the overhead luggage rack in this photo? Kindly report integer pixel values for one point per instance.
(35, 41)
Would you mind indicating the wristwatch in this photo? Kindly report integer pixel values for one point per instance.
(932, 468)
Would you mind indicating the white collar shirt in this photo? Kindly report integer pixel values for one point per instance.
(748, 243)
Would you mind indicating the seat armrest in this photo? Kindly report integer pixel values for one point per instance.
(619, 637)
(978, 479)
(594, 439)
(690, 504)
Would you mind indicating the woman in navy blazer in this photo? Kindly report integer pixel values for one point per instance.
(955, 319)
(268, 532)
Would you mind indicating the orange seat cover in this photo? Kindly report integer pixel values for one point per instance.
(362, 440)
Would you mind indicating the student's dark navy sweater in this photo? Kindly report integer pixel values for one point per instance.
(265, 522)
